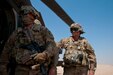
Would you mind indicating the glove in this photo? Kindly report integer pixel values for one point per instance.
(41, 57)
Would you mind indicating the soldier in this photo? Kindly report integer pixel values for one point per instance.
(32, 47)
(79, 57)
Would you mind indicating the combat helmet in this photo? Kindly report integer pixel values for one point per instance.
(76, 27)
(29, 9)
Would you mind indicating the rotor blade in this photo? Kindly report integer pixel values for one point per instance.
(53, 5)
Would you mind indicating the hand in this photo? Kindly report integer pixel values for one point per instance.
(91, 72)
(35, 67)
(40, 57)
(52, 71)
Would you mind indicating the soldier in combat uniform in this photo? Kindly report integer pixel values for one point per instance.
(22, 44)
(79, 57)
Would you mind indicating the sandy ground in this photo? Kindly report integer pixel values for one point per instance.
(101, 70)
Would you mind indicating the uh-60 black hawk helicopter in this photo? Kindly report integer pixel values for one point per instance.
(10, 20)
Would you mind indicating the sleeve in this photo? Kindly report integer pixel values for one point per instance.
(52, 50)
(50, 45)
(61, 43)
(5, 55)
(91, 55)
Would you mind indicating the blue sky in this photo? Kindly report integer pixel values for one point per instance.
(96, 18)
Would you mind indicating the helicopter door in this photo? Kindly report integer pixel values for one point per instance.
(7, 22)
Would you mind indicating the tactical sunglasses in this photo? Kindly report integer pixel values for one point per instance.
(74, 29)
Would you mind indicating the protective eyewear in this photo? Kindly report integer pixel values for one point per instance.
(74, 29)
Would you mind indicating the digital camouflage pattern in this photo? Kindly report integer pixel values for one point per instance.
(12, 49)
(77, 54)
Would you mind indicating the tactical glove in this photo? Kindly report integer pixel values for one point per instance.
(40, 57)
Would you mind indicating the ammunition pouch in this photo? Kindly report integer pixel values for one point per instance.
(76, 57)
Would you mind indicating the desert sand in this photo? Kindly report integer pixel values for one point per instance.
(102, 69)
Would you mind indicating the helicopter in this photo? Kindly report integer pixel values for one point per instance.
(10, 20)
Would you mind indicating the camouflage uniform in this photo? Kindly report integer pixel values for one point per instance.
(23, 36)
(78, 56)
